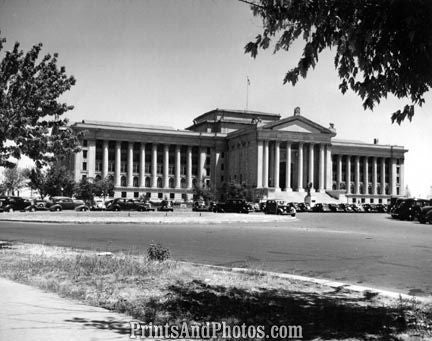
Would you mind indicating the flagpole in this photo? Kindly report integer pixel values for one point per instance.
(247, 92)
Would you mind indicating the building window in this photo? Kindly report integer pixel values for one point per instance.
(172, 195)
(123, 194)
(184, 196)
(111, 166)
(147, 168)
(222, 166)
(135, 167)
(354, 200)
(222, 155)
(222, 178)
(372, 200)
(98, 166)
(85, 143)
(135, 181)
(147, 181)
(84, 166)
(136, 194)
(159, 169)
(397, 190)
(183, 183)
(363, 200)
(171, 183)
(159, 182)
(123, 181)
(85, 154)
(123, 167)
(84, 177)
(160, 195)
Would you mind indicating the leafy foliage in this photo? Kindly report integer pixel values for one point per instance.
(13, 179)
(59, 181)
(156, 252)
(236, 191)
(29, 108)
(104, 188)
(382, 46)
(204, 193)
(38, 181)
(84, 189)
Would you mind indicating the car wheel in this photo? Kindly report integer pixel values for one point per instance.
(116, 209)
(32, 209)
(58, 209)
(10, 209)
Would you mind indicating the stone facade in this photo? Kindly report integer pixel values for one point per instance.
(280, 157)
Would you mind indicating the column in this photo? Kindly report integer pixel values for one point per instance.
(177, 167)
(130, 165)
(271, 165)
(288, 167)
(357, 175)
(165, 166)
(91, 158)
(154, 165)
(259, 165)
(393, 176)
(104, 159)
(142, 165)
(374, 176)
(77, 165)
(311, 165)
(189, 167)
(300, 167)
(201, 162)
(329, 168)
(276, 165)
(265, 164)
(383, 175)
(321, 168)
(348, 174)
(339, 171)
(401, 177)
(117, 163)
(365, 175)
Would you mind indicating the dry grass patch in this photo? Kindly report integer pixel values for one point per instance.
(171, 291)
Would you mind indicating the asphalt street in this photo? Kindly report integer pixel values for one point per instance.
(367, 249)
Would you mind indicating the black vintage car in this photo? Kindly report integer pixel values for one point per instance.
(279, 207)
(322, 208)
(166, 206)
(409, 209)
(123, 204)
(425, 215)
(11, 203)
(234, 206)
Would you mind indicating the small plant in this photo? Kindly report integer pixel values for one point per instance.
(156, 252)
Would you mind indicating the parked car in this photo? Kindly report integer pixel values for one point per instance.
(166, 206)
(145, 207)
(335, 208)
(409, 209)
(322, 208)
(200, 206)
(234, 206)
(66, 203)
(425, 215)
(11, 203)
(303, 207)
(369, 208)
(98, 205)
(279, 207)
(357, 208)
(123, 204)
(381, 208)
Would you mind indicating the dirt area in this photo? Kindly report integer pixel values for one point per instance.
(174, 292)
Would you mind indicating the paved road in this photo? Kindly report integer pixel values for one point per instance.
(369, 249)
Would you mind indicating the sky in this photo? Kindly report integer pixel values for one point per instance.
(164, 62)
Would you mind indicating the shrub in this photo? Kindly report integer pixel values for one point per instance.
(157, 252)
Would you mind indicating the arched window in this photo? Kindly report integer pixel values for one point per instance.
(361, 188)
(135, 181)
(370, 189)
(147, 181)
(387, 189)
(171, 183)
(342, 185)
(183, 183)
(159, 182)
(123, 181)
(379, 190)
(352, 188)
(334, 186)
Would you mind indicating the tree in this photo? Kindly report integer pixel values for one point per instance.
(382, 46)
(30, 112)
(38, 181)
(14, 179)
(236, 191)
(206, 194)
(104, 188)
(59, 181)
(84, 189)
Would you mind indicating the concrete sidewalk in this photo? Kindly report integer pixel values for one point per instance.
(28, 313)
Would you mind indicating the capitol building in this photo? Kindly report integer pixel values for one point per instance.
(281, 157)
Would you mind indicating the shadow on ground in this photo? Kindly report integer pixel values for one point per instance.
(121, 327)
(331, 316)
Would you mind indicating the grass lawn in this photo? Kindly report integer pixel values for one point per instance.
(175, 292)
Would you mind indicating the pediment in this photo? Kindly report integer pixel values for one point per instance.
(298, 127)
(298, 124)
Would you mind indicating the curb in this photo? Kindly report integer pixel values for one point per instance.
(326, 282)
